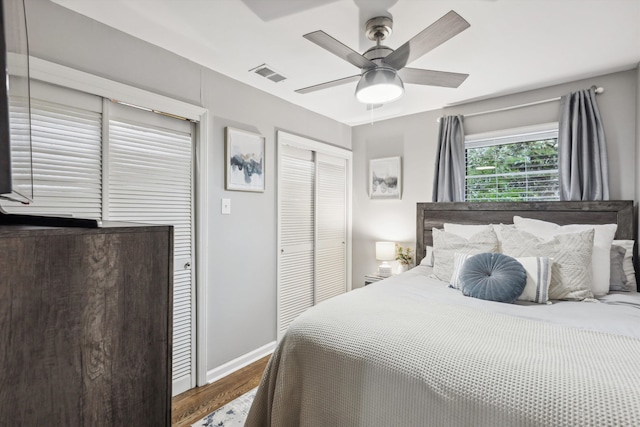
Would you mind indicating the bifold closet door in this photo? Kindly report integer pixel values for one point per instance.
(296, 195)
(149, 180)
(331, 227)
(312, 204)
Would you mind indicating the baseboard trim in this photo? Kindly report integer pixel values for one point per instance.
(240, 362)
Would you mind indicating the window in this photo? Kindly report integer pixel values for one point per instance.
(514, 165)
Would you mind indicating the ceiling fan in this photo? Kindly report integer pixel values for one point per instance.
(382, 69)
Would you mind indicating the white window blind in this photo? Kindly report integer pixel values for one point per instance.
(66, 131)
(513, 165)
(331, 231)
(297, 233)
(149, 180)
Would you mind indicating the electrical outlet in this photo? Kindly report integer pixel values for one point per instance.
(226, 206)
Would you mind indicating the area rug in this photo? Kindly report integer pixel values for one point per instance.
(232, 414)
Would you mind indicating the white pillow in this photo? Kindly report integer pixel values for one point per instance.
(538, 276)
(627, 263)
(445, 245)
(539, 270)
(458, 262)
(428, 258)
(601, 253)
(465, 230)
(571, 254)
(468, 230)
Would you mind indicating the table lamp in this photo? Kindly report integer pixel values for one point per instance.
(385, 251)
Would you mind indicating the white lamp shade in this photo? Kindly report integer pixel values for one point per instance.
(385, 251)
(378, 86)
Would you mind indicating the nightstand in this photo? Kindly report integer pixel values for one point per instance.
(374, 277)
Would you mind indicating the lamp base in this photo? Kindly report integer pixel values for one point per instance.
(384, 269)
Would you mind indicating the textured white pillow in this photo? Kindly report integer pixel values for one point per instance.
(600, 256)
(458, 262)
(538, 276)
(445, 245)
(465, 230)
(571, 253)
(468, 230)
(627, 263)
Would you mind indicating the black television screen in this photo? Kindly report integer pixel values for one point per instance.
(16, 177)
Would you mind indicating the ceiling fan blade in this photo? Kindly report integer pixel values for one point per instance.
(431, 37)
(431, 78)
(327, 42)
(327, 85)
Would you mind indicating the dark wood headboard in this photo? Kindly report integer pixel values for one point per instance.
(598, 212)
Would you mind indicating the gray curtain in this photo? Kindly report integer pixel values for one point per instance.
(582, 151)
(448, 179)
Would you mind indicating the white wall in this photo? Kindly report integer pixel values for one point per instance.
(242, 246)
(415, 138)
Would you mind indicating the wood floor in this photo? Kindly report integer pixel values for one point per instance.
(192, 405)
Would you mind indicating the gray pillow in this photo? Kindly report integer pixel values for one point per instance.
(617, 279)
(445, 245)
(493, 277)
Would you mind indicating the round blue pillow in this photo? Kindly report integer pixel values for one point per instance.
(493, 277)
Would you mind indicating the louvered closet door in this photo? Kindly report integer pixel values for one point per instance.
(66, 132)
(296, 182)
(331, 227)
(150, 181)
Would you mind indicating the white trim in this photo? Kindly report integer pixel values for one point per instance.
(50, 72)
(74, 79)
(313, 145)
(240, 362)
(193, 260)
(504, 136)
(183, 383)
(202, 171)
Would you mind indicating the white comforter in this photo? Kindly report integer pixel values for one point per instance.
(409, 351)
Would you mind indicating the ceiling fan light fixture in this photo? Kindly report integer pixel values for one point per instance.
(379, 86)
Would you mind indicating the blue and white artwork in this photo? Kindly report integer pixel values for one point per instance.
(385, 178)
(245, 161)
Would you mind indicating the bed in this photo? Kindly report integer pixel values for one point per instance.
(412, 351)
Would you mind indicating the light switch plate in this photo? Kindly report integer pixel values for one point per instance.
(226, 206)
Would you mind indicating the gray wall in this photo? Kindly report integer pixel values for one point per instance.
(242, 288)
(415, 138)
(636, 175)
(242, 246)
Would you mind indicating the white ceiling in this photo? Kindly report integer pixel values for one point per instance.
(511, 46)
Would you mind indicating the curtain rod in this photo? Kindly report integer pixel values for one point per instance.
(513, 107)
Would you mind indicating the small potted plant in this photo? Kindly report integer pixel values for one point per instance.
(404, 256)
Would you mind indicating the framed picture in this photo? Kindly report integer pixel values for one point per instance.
(244, 160)
(385, 178)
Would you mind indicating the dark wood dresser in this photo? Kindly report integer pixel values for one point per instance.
(85, 325)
